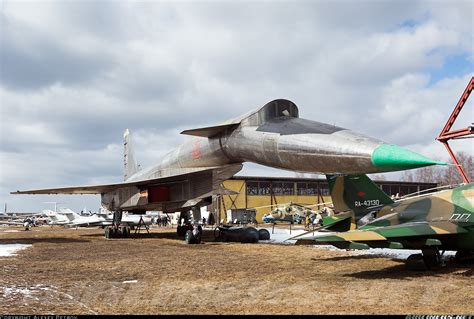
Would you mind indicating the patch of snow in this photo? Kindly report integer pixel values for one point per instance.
(10, 231)
(25, 291)
(130, 281)
(10, 249)
(281, 235)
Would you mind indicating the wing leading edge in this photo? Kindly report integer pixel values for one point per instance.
(100, 189)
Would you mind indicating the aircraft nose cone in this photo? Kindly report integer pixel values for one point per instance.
(389, 157)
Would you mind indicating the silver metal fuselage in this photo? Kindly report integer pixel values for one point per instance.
(342, 151)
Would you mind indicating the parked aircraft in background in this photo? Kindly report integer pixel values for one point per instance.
(186, 178)
(67, 217)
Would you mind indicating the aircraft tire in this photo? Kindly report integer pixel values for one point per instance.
(217, 234)
(189, 237)
(198, 237)
(125, 232)
(224, 237)
(432, 258)
(464, 257)
(263, 234)
(415, 262)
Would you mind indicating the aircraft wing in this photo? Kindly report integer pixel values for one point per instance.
(99, 189)
(396, 236)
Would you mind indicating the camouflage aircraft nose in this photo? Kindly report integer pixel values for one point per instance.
(389, 157)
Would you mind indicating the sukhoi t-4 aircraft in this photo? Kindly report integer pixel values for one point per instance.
(187, 177)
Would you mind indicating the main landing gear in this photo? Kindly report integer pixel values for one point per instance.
(429, 259)
(192, 234)
(464, 257)
(116, 230)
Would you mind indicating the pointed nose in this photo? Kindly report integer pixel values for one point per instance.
(389, 157)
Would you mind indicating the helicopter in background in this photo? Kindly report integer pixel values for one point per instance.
(295, 213)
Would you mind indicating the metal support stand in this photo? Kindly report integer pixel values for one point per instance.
(141, 223)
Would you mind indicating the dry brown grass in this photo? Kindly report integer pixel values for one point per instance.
(80, 272)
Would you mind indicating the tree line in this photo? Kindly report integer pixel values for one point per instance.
(443, 175)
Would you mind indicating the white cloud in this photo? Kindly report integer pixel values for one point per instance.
(76, 74)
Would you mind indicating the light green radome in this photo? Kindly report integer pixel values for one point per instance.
(393, 157)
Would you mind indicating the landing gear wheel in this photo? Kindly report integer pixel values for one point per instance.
(263, 234)
(415, 262)
(432, 258)
(464, 257)
(125, 232)
(197, 237)
(189, 237)
(217, 234)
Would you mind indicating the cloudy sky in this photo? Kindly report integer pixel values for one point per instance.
(75, 74)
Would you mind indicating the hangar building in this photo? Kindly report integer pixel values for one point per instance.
(263, 193)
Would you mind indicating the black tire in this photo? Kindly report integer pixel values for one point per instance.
(432, 258)
(464, 257)
(197, 238)
(125, 232)
(263, 234)
(217, 234)
(189, 237)
(415, 262)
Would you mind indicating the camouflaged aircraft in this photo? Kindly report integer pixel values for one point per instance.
(434, 222)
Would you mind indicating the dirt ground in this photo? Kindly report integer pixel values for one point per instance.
(69, 271)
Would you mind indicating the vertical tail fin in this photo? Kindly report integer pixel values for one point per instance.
(130, 166)
(356, 193)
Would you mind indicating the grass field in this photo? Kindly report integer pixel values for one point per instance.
(68, 271)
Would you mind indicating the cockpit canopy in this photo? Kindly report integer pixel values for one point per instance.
(275, 109)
